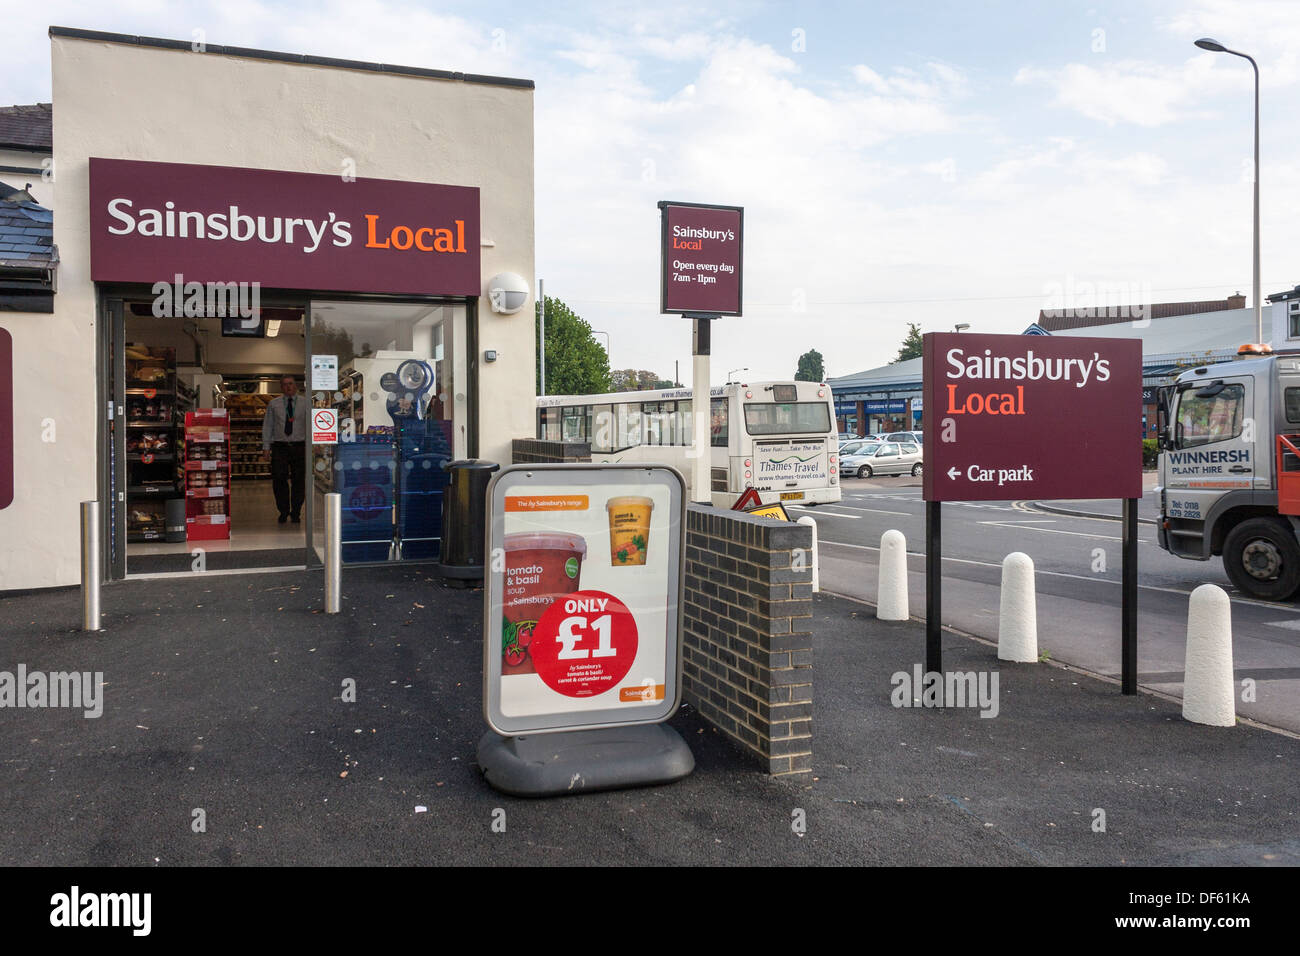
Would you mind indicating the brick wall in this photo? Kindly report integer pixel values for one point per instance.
(747, 646)
(534, 451)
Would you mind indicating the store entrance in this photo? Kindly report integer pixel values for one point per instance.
(190, 477)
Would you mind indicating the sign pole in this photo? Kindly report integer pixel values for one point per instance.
(1129, 589)
(933, 589)
(701, 474)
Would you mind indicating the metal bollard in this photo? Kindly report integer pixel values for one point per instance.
(816, 577)
(333, 551)
(90, 566)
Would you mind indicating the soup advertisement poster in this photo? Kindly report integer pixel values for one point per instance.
(582, 598)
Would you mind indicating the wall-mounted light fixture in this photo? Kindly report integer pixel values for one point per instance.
(507, 292)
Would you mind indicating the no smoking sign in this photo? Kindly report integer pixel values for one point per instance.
(324, 426)
(584, 644)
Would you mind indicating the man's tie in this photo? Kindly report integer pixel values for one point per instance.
(288, 416)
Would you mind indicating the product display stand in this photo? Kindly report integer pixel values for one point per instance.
(207, 475)
(581, 761)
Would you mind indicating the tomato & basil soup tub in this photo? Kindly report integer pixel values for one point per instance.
(539, 568)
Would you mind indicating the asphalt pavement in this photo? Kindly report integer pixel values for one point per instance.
(1078, 574)
(225, 694)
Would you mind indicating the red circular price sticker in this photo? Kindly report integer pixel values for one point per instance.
(584, 643)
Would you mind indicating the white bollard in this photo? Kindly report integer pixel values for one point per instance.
(1018, 610)
(891, 590)
(1208, 689)
(812, 523)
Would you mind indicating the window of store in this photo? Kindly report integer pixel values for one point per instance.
(394, 401)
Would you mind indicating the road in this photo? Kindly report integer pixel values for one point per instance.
(1077, 565)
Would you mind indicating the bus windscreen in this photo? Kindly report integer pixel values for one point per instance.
(787, 418)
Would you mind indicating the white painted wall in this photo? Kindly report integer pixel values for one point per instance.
(129, 102)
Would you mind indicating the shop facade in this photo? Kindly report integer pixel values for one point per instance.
(236, 225)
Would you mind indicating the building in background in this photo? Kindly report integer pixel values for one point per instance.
(27, 150)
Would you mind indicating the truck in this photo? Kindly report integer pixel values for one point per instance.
(1229, 481)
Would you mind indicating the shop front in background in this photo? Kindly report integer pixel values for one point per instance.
(193, 375)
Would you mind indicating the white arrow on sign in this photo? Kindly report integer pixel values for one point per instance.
(953, 472)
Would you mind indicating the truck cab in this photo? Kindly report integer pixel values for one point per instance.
(1223, 437)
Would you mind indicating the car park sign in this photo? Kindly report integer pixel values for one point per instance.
(1013, 416)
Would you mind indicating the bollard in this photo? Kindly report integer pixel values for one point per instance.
(1018, 610)
(90, 566)
(333, 551)
(1207, 672)
(812, 523)
(891, 590)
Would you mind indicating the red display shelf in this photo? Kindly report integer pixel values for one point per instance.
(207, 451)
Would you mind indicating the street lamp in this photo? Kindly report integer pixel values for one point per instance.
(1214, 46)
(734, 371)
(606, 334)
(961, 326)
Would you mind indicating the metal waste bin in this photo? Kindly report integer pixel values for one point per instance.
(174, 522)
(464, 521)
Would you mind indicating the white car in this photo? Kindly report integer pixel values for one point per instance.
(852, 447)
(883, 458)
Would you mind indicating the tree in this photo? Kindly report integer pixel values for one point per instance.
(912, 344)
(576, 364)
(811, 368)
(636, 380)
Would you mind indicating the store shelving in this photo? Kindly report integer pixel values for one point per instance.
(246, 414)
(150, 440)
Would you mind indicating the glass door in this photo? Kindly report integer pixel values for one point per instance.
(399, 422)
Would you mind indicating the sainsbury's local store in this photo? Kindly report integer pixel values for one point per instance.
(277, 278)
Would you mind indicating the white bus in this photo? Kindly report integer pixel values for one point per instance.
(778, 438)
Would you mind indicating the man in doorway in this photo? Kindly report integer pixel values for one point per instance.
(284, 434)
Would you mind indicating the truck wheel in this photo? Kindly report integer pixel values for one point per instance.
(1262, 557)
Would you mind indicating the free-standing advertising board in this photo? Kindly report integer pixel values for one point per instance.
(1018, 416)
(582, 613)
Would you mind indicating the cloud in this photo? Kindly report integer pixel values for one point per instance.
(1144, 94)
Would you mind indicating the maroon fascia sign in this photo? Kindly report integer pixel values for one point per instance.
(1027, 416)
(701, 259)
(284, 230)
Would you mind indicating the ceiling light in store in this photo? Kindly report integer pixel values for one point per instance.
(272, 328)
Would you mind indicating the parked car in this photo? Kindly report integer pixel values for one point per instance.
(906, 436)
(883, 458)
(850, 447)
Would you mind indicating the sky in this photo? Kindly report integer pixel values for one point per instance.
(933, 162)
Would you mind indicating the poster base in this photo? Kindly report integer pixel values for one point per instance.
(584, 761)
